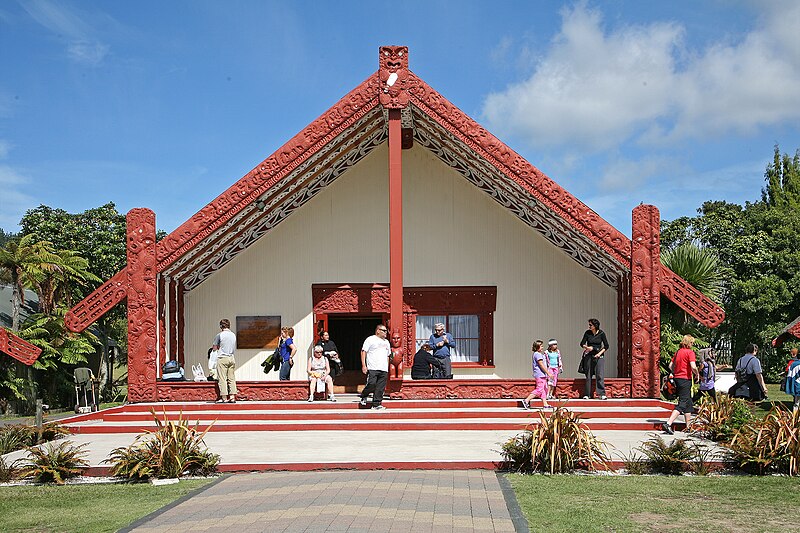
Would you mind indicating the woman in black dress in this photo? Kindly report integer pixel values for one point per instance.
(595, 345)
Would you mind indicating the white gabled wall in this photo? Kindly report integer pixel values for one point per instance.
(454, 234)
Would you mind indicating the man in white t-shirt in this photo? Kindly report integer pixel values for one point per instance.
(375, 364)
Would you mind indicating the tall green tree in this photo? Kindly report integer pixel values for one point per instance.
(97, 235)
(782, 189)
(758, 246)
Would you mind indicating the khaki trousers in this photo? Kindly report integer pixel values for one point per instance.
(226, 375)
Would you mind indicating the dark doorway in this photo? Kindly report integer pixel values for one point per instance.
(349, 332)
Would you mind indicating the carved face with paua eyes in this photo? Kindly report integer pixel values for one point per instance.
(393, 58)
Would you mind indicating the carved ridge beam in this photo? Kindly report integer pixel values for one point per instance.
(20, 349)
(688, 298)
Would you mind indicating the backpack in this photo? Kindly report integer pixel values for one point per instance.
(741, 373)
(170, 367)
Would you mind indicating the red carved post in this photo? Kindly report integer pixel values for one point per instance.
(162, 317)
(623, 325)
(173, 319)
(645, 302)
(393, 74)
(142, 305)
(181, 323)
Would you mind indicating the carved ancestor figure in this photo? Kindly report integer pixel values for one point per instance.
(396, 360)
(393, 76)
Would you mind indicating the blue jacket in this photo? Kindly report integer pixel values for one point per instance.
(793, 379)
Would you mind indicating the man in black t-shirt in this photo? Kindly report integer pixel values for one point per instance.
(426, 366)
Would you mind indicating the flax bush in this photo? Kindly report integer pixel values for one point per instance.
(8, 471)
(769, 445)
(558, 443)
(18, 436)
(719, 418)
(667, 458)
(54, 462)
(173, 450)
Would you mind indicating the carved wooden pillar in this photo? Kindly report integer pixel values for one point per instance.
(181, 323)
(645, 302)
(623, 325)
(393, 96)
(142, 305)
(173, 319)
(162, 319)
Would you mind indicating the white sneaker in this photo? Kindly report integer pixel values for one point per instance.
(362, 402)
(604, 397)
(526, 404)
(310, 398)
(331, 398)
(378, 408)
(585, 397)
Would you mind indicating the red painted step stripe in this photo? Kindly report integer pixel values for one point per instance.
(369, 414)
(368, 426)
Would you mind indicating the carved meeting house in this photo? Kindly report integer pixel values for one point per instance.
(394, 207)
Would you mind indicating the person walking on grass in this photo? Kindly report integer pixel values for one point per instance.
(375, 364)
(540, 375)
(683, 368)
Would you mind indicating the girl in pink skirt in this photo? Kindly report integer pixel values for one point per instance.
(540, 375)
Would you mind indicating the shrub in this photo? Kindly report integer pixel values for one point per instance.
(8, 471)
(13, 437)
(18, 436)
(636, 464)
(667, 458)
(54, 463)
(172, 450)
(719, 418)
(769, 445)
(557, 444)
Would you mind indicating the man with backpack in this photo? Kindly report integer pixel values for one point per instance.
(749, 381)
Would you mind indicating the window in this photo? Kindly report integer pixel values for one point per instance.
(463, 328)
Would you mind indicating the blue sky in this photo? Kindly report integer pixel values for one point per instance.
(165, 104)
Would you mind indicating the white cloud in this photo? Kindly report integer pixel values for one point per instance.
(628, 174)
(82, 46)
(13, 202)
(596, 88)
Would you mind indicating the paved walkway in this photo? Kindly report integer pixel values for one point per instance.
(352, 501)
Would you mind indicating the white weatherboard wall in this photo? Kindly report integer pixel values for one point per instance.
(454, 234)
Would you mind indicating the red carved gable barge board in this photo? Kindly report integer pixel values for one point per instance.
(19, 349)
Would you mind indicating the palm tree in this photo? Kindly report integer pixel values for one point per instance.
(20, 260)
(55, 281)
(702, 269)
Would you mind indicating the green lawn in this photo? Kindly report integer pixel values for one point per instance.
(775, 396)
(85, 508)
(657, 503)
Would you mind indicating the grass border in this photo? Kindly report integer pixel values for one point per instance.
(514, 510)
(157, 512)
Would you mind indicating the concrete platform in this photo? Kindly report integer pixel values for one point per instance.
(467, 437)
